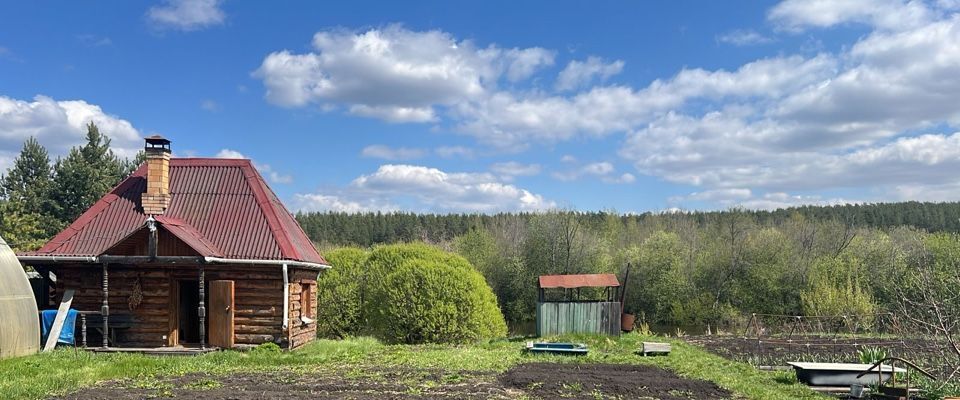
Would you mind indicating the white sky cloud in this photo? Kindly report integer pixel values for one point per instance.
(743, 37)
(59, 125)
(523, 63)
(745, 198)
(265, 169)
(322, 203)
(392, 153)
(796, 15)
(186, 15)
(510, 169)
(454, 152)
(603, 170)
(580, 73)
(426, 189)
(625, 177)
(381, 70)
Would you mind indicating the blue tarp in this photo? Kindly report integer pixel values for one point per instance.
(67, 335)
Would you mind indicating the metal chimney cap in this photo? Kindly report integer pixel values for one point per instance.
(157, 143)
(157, 139)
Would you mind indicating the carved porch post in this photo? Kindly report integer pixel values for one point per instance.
(105, 308)
(202, 309)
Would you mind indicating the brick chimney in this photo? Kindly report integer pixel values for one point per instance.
(157, 197)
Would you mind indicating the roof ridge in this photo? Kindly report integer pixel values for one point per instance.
(287, 249)
(209, 162)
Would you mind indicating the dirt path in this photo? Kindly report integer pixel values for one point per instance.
(540, 380)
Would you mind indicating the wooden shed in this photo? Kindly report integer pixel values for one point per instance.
(565, 311)
(185, 252)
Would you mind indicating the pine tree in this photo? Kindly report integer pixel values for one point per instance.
(28, 181)
(84, 175)
(27, 219)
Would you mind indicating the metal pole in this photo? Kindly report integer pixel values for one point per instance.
(202, 310)
(105, 308)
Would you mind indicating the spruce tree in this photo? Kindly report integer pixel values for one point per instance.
(27, 220)
(28, 181)
(84, 175)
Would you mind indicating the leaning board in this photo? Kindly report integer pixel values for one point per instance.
(58, 321)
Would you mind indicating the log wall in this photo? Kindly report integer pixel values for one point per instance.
(258, 314)
(302, 333)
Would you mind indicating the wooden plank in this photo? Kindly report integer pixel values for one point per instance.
(58, 321)
(221, 314)
(648, 348)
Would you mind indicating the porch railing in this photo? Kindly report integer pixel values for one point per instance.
(83, 324)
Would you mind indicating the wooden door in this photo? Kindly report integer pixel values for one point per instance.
(221, 314)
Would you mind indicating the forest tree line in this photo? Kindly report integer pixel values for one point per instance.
(367, 229)
(694, 268)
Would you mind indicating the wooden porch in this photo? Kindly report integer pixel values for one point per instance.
(163, 308)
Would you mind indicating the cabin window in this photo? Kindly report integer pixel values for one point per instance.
(307, 306)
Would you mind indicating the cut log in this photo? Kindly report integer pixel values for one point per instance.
(253, 339)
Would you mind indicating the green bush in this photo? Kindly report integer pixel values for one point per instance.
(385, 259)
(411, 293)
(429, 301)
(340, 294)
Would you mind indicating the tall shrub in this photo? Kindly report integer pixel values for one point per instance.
(428, 301)
(385, 259)
(409, 293)
(340, 294)
(836, 289)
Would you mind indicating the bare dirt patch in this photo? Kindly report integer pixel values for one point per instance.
(592, 381)
(779, 351)
(540, 380)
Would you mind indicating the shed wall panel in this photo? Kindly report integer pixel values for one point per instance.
(560, 318)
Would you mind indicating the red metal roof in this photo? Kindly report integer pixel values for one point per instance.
(190, 236)
(219, 207)
(578, 281)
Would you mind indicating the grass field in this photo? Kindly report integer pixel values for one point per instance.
(67, 370)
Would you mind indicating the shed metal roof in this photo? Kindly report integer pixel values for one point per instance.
(578, 281)
(219, 207)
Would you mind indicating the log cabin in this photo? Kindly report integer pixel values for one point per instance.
(185, 253)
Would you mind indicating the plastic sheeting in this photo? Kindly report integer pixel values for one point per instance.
(47, 317)
(20, 326)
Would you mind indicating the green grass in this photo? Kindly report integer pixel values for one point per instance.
(65, 370)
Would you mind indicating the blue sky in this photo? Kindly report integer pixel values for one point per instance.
(500, 106)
